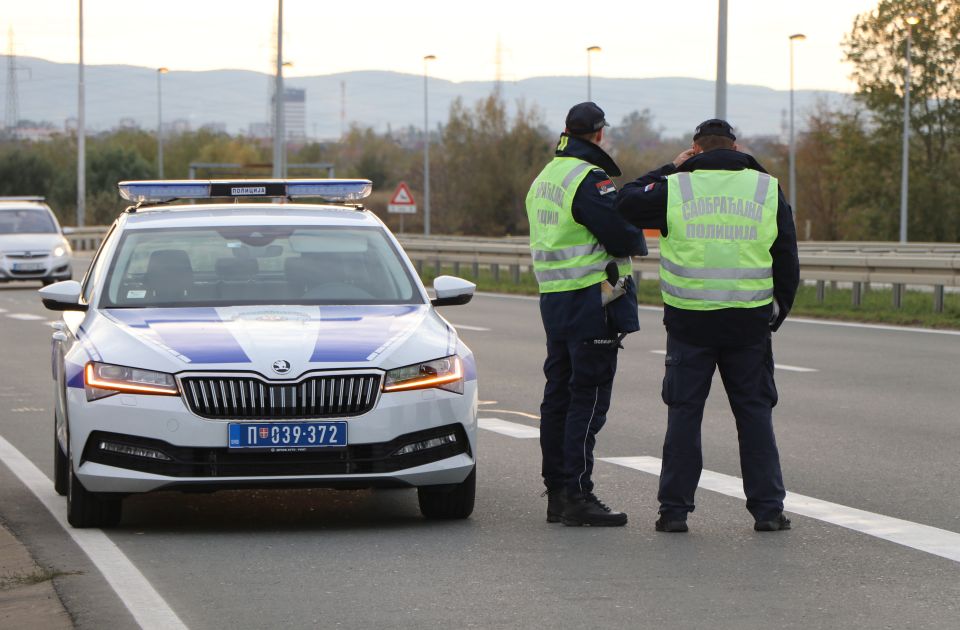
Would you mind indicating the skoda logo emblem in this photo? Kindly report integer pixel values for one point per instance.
(281, 367)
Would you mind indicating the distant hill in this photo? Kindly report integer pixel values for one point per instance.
(237, 98)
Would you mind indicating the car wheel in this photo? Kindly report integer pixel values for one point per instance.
(61, 467)
(90, 509)
(449, 502)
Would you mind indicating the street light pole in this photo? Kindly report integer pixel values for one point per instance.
(81, 137)
(426, 150)
(279, 139)
(798, 37)
(160, 73)
(591, 49)
(721, 87)
(905, 165)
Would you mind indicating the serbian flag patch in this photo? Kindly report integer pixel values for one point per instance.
(648, 187)
(606, 186)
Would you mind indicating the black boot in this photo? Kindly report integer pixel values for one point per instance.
(584, 508)
(556, 500)
(776, 524)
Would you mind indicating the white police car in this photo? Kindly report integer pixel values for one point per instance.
(260, 344)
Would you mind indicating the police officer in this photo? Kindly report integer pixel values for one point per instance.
(580, 248)
(728, 275)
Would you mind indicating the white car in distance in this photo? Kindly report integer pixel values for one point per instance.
(32, 245)
(258, 344)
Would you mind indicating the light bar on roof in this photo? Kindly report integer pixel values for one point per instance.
(339, 190)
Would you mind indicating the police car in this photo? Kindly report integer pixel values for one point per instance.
(32, 246)
(241, 345)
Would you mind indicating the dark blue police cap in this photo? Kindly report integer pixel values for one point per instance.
(586, 118)
(714, 127)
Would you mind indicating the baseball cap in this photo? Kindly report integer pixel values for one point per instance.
(586, 118)
(714, 127)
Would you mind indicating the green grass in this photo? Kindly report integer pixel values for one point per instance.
(876, 306)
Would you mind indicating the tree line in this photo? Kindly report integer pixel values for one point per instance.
(483, 159)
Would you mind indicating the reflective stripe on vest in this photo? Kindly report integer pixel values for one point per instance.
(566, 255)
(720, 227)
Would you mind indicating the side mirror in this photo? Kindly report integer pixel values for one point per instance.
(62, 296)
(452, 291)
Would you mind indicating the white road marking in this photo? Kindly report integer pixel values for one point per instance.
(932, 540)
(486, 402)
(465, 327)
(516, 413)
(779, 366)
(146, 605)
(511, 429)
(3, 310)
(27, 317)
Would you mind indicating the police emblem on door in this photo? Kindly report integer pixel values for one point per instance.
(281, 367)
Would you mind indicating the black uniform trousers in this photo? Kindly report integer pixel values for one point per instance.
(747, 373)
(575, 402)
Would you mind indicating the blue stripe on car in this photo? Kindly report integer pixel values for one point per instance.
(196, 333)
(370, 328)
(73, 374)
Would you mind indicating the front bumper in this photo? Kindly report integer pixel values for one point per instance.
(46, 268)
(199, 458)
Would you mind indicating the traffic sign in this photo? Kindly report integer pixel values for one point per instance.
(402, 201)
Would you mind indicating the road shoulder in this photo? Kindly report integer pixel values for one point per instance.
(27, 596)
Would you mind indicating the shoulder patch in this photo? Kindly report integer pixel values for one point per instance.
(606, 187)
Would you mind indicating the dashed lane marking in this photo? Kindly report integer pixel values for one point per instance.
(779, 366)
(932, 540)
(27, 317)
(511, 429)
(465, 327)
(148, 608)
(516, 413)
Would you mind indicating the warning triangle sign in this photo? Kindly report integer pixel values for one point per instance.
(402, 196)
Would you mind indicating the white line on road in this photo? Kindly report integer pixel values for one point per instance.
(932, 540)
(146, 605)
(516, 413)
(511, 429)
(3, 310)
(465, 327)
(779, 366)
(27, 317)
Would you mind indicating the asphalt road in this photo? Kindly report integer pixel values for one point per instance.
(874, 427)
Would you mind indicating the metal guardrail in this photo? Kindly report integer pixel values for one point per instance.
(860, 263)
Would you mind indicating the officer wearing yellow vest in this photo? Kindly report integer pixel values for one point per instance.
(729, 273)
(580, 248)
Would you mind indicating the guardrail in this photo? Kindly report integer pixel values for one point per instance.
(859, 263)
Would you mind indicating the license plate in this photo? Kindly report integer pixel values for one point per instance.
(28, 266)
(287, 436)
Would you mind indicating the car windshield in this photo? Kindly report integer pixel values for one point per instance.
(26, 221)
(257, 265)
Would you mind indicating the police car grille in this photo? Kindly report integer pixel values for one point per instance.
(247, 397)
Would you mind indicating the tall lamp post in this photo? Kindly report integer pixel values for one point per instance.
(279, 137)
(160, 73)
(426, 150)
(590, 51)
(912, 19)
(720, 105)
(81, 135)
(797, 37)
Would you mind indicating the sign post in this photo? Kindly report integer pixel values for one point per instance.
(402, 203)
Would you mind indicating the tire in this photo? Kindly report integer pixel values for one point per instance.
(449, 503)
(90, 509)
(61, 467)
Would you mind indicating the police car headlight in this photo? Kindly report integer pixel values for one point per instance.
(445, 373)
(103, 379)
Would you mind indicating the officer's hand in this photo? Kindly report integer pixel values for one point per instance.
(683, 157)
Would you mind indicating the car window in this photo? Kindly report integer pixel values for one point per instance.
(95, 270)
(27, 221)
(222, 266)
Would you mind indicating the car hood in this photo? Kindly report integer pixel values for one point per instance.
(254, 338)
(29, 242)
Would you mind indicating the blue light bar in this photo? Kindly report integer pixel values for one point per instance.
(336, 190)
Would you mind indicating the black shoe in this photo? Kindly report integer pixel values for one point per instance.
(778, 523)
(584, 508)
(677, 526)
(556, 500)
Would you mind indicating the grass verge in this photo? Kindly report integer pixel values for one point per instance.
(876, 306)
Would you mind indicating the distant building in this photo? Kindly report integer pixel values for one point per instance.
(214, 127)
(259, 130)
(294, 114)
(180, 125)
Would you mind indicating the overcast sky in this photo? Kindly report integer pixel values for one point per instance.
(639, 38)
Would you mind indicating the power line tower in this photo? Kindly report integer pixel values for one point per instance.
(12, 111)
